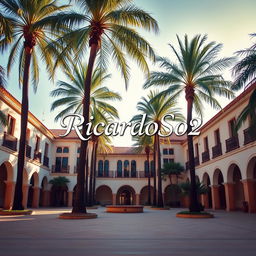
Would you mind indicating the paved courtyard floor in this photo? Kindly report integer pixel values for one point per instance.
(149, 233)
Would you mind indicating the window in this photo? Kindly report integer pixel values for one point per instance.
(168, 160)
(126, 168)
(231, 125)
(100, 168)
(171, 151)
(152, 167)
(165, 151)
(61, 164)
(196, 150)
(46, 149)
(59, 150)
(37, 144)
(146, 168)
(206, 145)
(106, 168)
(217, 137)
(27, 136)
(78, 150)
(10, 125)
(168, 151)
(133, 168)
(119, 168)
(65, 150)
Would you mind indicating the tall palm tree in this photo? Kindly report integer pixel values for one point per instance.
(245, 73)
(28, 35)
(3, 119)
(71, 98)
(108, 28)
(156, 107)
(145, 143)
(197, 73)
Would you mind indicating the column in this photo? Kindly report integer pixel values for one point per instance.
(250, 194)
(70, 198)
(137, 199)
(230, 199)
(25, 188)
(113, 199)
(9, 194)
(46, 198)
(215, 197)
(205, 200)
(36, 194)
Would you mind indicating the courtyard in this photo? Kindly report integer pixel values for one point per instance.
(154, 232)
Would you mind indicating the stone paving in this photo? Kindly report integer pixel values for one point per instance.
(150, 233)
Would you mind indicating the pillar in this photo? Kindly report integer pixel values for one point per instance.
(9, 194)
(46, 198)
(205, 200)
(25, 188)
(70, 198)
(250, 194)
(113, 199)
(137, 199)
(185, 201)
(215, 197)
(36, 194)
(230, 197)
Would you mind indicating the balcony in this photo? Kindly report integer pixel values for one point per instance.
(197, 161)
(249, 137)
(232, 143)
(109, 174)
(216, 150)
(28, 151)
(60, 169)
(205, 156)
(46, 161)
(38, 156)
(10, 141)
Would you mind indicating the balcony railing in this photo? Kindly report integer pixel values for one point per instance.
(115, 174)
(60, 169)
(109, 174)
(216, 150)
(232, 143)
(28, 151)
(205, 156)
(10, 141)
(38, 156)
(46, 161)
(197, 161)
(249, 136)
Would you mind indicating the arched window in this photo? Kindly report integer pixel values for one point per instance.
(146, 168)
(100, 168)
(126, 168)
(65, 150)
(152, 168)
(59, 150)
(106, 168)
(119, 168)
(133, 169)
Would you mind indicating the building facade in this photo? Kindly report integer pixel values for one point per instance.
(225, 162)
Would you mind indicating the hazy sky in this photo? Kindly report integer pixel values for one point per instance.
(228, 22)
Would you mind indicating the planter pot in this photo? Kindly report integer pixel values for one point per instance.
(77, 216)
(15, 212)
(124, 208)
(194, 215)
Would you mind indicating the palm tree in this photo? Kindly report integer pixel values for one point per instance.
(197, 73)
(172, 168)
(156, 107)
(245, 73)
(71, 96)
(145, 143)
(108, 28)
(3, 119)
(29, 32)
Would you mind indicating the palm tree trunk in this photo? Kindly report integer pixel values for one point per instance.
(94, 175)
(160, 202)
(194, 205)
(90, 199)
(17, 203)
(149, 177)
(79, 203)
(154, 195)
(86, 180)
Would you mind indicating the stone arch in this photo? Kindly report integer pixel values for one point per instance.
(59, 196)
(43, 192)
(207, 198)
(251, 168)
(219, 197)
(25, 177)
(144, 195)
(32, 191)
(9, 170)
(3, 180)
(104, 195)
(172, 195)
(126, 195)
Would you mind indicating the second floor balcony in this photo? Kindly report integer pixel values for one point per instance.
(249, 136)
(38, 156)
(60, 169)
(232, 143)
(205, 156)
(10, 141)
(216, 150)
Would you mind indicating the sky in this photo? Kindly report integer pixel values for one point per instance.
(228, 22)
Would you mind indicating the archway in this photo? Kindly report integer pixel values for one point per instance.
(172, 195)
(144, 195)
(235, 177)
(59, 196)
(125, 195)
(3, 179)
(34, 180)
(104, 195)
(218, 181)
(251, 184)
(42, 198)
(207, 183)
